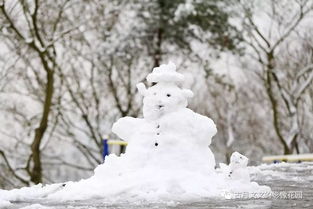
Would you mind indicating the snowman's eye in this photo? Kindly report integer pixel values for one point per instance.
(154, 93)
(154, 83)
(168, 95)
(240, 157)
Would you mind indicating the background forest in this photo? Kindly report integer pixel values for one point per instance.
(68, 70)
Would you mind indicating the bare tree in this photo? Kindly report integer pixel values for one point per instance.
(266, 47)
(40, 43)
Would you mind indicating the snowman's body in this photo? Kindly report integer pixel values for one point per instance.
(170, 139)
(169, 132)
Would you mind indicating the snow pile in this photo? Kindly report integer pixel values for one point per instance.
(168, 155)
(5, 203)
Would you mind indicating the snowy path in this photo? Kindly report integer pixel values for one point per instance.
(286, 181)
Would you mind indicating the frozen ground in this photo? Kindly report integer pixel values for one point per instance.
(292, 186)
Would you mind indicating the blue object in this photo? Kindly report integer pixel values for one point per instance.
(105, 150)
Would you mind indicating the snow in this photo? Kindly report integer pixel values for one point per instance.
(306, 166)
(166, 74)
(167, 158)
(5, 203)
(29, 40)
(36, 206)
(237, 169)
(25, 193)
(185, 9)
(277, 171)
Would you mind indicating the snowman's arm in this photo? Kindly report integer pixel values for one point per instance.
(205, 128)
(125, 127)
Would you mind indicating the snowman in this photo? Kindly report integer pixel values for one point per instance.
(237, 169)
(168, 132)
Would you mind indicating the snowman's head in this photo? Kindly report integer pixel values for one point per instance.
(163, 98)
(238, 160)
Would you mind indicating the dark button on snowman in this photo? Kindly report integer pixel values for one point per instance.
(169, 129)
(156, 143)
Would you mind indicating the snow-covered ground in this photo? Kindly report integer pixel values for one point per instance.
(285, 179)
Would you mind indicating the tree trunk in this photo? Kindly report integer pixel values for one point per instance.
(158, 51)
(275, 113)
(36, 173)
